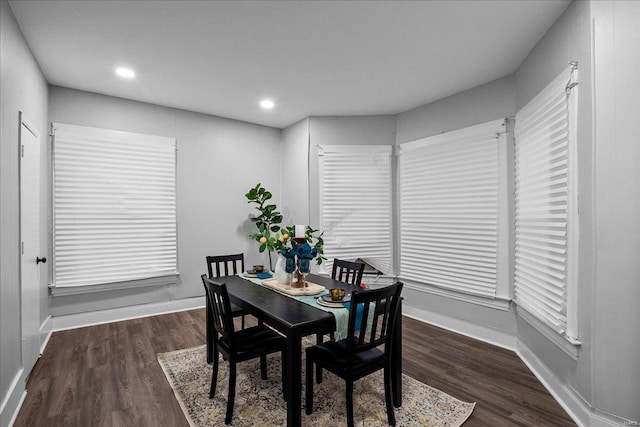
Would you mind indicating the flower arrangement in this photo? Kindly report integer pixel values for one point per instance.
(272, 237)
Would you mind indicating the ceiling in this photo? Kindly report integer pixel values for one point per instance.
(312, 58)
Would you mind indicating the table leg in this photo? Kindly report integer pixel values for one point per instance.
(396, 361)
(294, 381)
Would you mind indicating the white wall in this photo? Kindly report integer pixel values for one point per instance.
(616, 296)
(294, 188)
(219, 160)
(22, 88)
(490, 101)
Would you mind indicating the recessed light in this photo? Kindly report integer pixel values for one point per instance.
(267, 104)
(127, 73)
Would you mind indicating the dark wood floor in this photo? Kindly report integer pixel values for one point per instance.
(108, 375)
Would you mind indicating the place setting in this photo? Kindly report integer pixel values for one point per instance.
(335, 298)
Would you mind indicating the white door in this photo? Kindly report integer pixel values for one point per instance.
(30, 242)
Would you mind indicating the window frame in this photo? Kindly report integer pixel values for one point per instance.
(497, 129)
(150, 171)
(379, 152)
(566, 337)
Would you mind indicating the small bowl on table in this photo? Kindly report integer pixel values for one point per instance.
(259, 268)
(337, 294)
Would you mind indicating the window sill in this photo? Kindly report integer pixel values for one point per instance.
(498, 303)
(570, 346)
(166, 280)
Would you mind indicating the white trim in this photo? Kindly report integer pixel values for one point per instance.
(79, 320)
(570, 400)
(573, 219)
(45, 333)
(497, 303)
(12, 396)
(166, 280)
(23, 396)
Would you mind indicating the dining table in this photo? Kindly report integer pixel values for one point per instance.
(296, 319)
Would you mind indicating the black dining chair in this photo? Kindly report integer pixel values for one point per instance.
(223, 265)
(239, 346)
(347, 271)
(360, 354)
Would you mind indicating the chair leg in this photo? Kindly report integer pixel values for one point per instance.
(214, 374)
(349, 393)
(391, 418)
(242, 321)
(210, 333)
(309, 385)
(283, 365)
(263, 367)
(232, 392)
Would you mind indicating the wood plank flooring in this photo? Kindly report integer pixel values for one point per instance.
(108, 375)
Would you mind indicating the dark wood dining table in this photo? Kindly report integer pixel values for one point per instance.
(295, 320)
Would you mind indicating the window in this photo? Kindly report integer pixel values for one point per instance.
(545, 206)
(355, 203)
(451, 197)
(114, 206)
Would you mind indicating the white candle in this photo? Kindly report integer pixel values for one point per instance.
(300, 231)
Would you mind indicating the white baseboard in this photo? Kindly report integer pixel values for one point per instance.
(79, 320)
(570, 400)
(45, 333)
(10, 406)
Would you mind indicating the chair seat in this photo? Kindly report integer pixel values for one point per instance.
(254, 341)
(332, 355)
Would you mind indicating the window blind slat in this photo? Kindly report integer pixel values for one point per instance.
(355, 200)
(114, 206)
(448, 209)
(541, 210)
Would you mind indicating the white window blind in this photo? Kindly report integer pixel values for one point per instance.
(355, 203)
(449, 209)
(114, 206)
(543, 206)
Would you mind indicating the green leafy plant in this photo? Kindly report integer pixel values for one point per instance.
(270, 235)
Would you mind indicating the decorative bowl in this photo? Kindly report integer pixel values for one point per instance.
(337, 294)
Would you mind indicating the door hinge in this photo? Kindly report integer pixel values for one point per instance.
(22, 247)
(22, 150)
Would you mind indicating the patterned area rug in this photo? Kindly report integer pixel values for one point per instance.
(260, 402)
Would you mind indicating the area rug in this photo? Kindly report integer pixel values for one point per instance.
(260, 402)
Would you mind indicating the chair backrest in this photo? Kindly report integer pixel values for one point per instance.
(225, 265)
(347, 271)
(379, 305)
(219, 307)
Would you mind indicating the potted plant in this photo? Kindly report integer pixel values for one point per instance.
(273, 237)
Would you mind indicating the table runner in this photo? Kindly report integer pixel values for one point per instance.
(341, 314)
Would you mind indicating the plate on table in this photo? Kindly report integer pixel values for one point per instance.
(333, 304)
(251, 273)
(327, 298)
